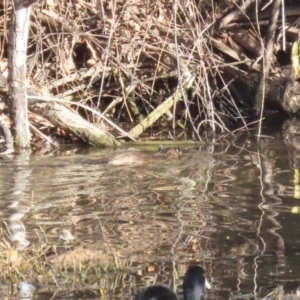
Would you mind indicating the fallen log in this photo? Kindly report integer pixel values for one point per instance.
(65, 118)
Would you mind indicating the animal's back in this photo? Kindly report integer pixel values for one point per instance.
(156, 292)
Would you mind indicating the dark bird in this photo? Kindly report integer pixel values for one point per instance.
(194, 284)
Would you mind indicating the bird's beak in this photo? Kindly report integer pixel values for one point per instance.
(207, 284)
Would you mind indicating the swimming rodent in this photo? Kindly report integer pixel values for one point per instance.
(135, 157)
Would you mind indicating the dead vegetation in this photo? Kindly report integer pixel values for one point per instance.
(44, 263)
(279, 294)
(191, 65)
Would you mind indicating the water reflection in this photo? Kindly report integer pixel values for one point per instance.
(228, 209)
(14, 181)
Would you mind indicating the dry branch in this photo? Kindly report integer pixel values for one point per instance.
(121, 61)
(238, 11)
(164, 107)
(66, 119)
(259, 97)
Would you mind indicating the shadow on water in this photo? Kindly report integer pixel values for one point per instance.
(232, 209)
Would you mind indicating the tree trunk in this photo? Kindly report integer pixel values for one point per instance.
(266, 63)
(17, 46)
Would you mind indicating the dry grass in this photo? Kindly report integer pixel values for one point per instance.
(278, 294)
(45, 264)
(119, 61)
(125, 58)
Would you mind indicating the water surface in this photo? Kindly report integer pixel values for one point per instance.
(230, 208)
